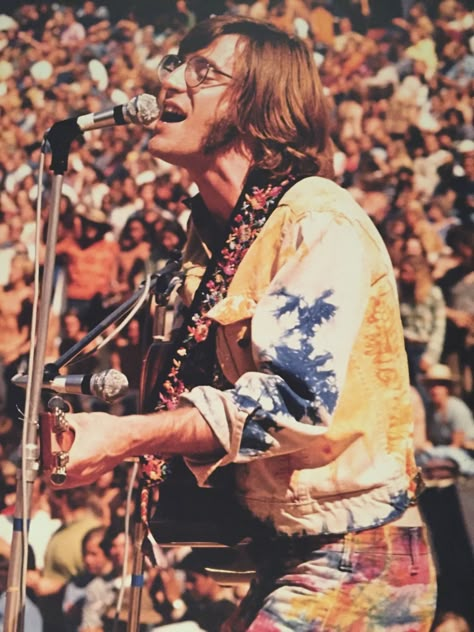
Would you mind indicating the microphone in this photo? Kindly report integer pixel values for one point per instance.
(108, 385)
(142, 109)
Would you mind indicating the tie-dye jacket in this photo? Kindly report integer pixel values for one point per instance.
(319, 418)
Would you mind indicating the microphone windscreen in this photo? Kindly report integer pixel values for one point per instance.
(109, 385)
(143, 109)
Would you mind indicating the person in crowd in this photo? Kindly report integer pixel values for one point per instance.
(33, 620)
(16, 309)
(96, 563)
(423, 314)
(90, 260)
(168, 237)
(290, 364)
(134, 255)
(111, 491)
(449, 419)
(207, 603)
(126, 356)
(42, 524)
(442, 219)
(63, 556)
(457, 285)
(419, 226)
(446, 456)
(101, 610)
(463, 183)
(72, 332)
(124, 191)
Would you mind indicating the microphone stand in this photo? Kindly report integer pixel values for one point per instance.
(167, 279)
(157, 280)
(60, 137)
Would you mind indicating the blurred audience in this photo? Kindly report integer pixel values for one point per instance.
(399, 77)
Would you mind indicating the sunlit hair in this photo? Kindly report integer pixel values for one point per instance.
(26, 265)
(276, 98)
(423, 278)
(415, 208)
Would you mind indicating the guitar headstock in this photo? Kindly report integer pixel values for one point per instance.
(54, 454)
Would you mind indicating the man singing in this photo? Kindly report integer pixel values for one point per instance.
(290, 364)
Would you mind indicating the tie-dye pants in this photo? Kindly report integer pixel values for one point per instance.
(379, 579)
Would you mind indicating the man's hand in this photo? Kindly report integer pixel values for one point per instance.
(96, 443)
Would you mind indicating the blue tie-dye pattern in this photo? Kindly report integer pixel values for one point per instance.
(307, 378)
(304, 387)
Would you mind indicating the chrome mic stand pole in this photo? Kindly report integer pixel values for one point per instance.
(165, 282)
(15, 602)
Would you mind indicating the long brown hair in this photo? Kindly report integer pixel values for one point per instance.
(276, 97)
(423, 279)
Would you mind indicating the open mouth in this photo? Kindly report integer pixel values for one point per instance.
(172, 115)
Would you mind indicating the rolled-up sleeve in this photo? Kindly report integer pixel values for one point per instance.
(303, 329)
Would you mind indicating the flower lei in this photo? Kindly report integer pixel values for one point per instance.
(255, 205)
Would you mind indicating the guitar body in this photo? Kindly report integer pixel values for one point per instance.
(196, 516)
(208, 518)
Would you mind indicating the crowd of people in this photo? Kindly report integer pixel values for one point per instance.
(400, 89)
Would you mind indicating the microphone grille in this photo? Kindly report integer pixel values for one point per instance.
(109, 385)
(143, 109)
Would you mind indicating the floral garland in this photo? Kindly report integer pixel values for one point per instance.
(255, 205)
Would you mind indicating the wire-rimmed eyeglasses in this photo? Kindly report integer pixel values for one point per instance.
(195, 72)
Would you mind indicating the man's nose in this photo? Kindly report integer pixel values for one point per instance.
(176, 78)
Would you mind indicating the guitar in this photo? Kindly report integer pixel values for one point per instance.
(208, 518)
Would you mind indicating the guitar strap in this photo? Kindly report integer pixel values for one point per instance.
(193, 360)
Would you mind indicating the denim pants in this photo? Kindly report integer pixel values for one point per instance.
(379, 579)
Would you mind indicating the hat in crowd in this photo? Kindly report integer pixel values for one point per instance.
(7, 22)
(193, 562)
(93, 215)
(466, 146)
(439, 374)
(41, 70)
(98, 73)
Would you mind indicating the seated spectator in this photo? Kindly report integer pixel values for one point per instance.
(419, 226)
(16, 306)
(449, 425)
(33, 621)
(450, 420)
(422, 49)
(423, 316)
(463, 184)
(42, 525)
(444, 458)
(133, 256)
(457, 285)
(101, 605)
(63, 556)
(167, 237)
(96, 563)
(207, 602)
(440, 218)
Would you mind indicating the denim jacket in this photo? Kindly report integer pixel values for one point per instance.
(318, 421)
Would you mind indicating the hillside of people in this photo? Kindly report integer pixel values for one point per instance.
(399, 80)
